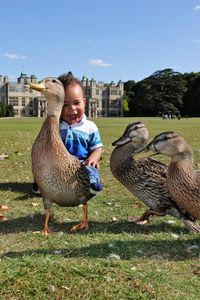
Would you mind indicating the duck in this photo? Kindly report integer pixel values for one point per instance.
(147, 178)
(183, 181)
(60, 176)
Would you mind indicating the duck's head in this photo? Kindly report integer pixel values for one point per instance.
(54, 92)
(168, 143)
(136, 133)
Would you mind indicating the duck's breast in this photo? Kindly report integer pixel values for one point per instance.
(60, 176)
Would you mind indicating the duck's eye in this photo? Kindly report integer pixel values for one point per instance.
(54, 81)
(165, 138)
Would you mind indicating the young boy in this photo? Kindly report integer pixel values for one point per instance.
(80, 136)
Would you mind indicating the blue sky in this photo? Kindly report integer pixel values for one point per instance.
(105, 40)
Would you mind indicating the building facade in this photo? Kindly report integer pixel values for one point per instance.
(102, 99)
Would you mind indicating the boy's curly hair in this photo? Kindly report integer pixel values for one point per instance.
(68, 79)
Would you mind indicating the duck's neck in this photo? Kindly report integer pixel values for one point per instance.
(50, 129)
(181, 168)
(54, 107)
(186, 157)
(123, 152)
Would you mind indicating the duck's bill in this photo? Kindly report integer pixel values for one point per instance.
(121, 141)
(144, 154)
(40, 87)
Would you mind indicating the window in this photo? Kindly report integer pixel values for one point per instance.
(13, 101)
(113, 104)
(23, 102)
(113, 92)
(13, 88)
(113, 113)
(105, 93)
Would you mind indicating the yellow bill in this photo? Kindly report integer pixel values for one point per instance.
(40, 87)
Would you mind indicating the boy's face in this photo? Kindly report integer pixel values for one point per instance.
(74, 104)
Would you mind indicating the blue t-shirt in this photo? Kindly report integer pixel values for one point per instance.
(80, 139)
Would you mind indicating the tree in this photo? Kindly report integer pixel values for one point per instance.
(191, 99)
(129, 96)
(6, 110)
(125, 107)
(162, 91)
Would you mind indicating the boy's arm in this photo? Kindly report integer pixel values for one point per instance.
(93, 159)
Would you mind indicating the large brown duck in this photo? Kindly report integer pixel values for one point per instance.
(146, 178)
(61, 178)
(183, 182)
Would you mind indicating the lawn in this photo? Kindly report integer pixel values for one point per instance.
(114, 259)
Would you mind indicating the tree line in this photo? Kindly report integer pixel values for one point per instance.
(6, 110)
(164, 92)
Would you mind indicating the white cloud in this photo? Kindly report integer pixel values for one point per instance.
(98, 63)
(14, 56)
(197, 7)
(197, 40)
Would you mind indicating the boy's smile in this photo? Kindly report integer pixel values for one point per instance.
(74, 105)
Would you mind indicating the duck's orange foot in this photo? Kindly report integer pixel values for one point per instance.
(2, 218)
(138, 220)
(45, 232)
(191, 226)
(145, 217)
(78, 227)
(3, 207)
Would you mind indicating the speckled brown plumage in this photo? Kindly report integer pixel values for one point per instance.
(183, 182)
(146, 179)
(61, 178)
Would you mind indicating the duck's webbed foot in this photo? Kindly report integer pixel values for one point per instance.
(46, 229)
(2, 218)
(82, 225)
(78, 227)
(3, 207)
(47, 232)
(143, 219)
(191, 225)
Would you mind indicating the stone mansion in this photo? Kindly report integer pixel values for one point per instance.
(102, 99)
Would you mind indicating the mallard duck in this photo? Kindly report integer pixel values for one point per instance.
(146, 179)
(61, 178)
(183, 182)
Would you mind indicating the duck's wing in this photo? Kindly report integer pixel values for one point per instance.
(151, 168)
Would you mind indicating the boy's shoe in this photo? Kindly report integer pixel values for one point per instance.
(95, 187)
(35, 189)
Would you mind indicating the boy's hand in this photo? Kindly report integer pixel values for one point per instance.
(94, 157)
(91, 162)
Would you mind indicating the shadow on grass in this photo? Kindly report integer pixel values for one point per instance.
(136, 247)
(115, 250)
(35, 222)
(19, 187)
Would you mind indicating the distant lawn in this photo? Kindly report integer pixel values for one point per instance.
(113, 259)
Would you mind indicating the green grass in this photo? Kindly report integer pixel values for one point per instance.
(153, 261)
